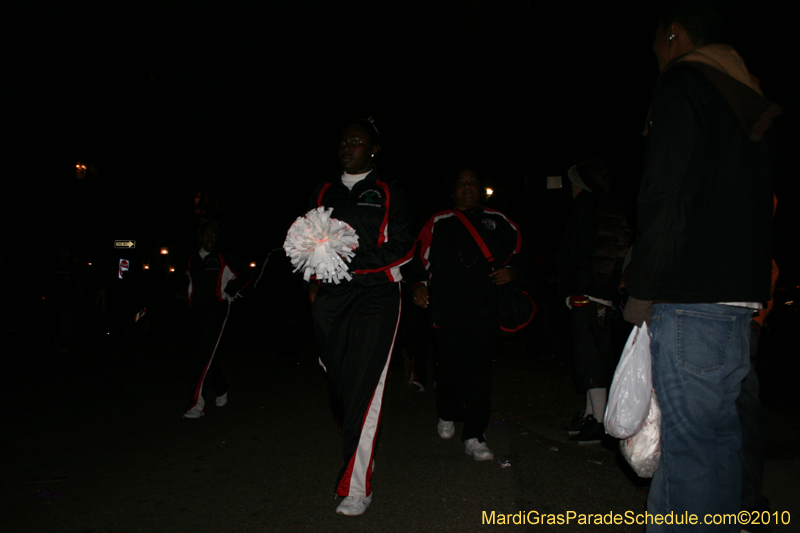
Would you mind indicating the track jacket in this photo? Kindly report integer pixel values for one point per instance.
(457, 273)
(213, 279)
(380, 214)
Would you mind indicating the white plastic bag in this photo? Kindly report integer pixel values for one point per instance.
(629, 397)
(643, 450)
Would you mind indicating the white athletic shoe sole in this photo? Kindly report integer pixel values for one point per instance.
(193, 413)
(354, 505)
(478, 450)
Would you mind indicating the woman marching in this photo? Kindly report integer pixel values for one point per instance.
(214, 282)
(355, 321)
(452, 275)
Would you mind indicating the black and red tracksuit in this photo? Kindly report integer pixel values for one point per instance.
(464, 308)
(213, 283)
(355, 322)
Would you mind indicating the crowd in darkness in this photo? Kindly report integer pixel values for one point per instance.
(696, 268)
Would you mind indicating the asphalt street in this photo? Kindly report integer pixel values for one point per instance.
(93, 441)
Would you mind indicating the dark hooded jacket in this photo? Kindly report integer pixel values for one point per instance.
(705, 203)
(593, 248)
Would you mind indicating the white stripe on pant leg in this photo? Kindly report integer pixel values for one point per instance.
(366, 442)
(199, 401)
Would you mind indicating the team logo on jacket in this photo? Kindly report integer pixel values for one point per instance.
(489, 223)
(370, 197)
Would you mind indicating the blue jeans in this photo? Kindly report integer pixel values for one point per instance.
(700, 356)
(751, 418)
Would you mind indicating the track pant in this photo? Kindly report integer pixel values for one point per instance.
(464, 375)
(415, 335)
(355, 329)
(206, 326)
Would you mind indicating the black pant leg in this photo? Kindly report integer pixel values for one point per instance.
(591, 339)
(464, 377)
(482, 339)
(356, 330)
(207, 325)
(449, 374)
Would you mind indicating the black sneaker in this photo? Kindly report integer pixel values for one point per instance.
(576, 423)
(591, 433)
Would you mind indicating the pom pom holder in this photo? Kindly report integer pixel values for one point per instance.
(319, 245)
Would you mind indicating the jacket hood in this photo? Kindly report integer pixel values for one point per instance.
(726, 70)
(725, 59)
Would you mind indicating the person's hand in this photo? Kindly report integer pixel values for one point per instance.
(420, 295)
(638, 311)
(313, 289)
(503, 276)
(231, 297)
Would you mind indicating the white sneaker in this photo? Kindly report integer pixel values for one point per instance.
(222, 400)
(412, 381)
(446, 428)
(354, 505)
(194, 412)
(479, 450)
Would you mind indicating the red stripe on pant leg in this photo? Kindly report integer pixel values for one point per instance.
(356, 478)
(344, 485)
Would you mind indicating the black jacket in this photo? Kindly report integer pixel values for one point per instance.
(593, 248)
(705, 203)
(457, 272)
(379, 213)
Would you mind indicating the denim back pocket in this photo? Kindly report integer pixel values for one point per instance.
(702, 340)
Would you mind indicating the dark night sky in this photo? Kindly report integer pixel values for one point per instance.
(247, 102)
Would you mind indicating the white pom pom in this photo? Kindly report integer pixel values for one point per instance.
(319, 245)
